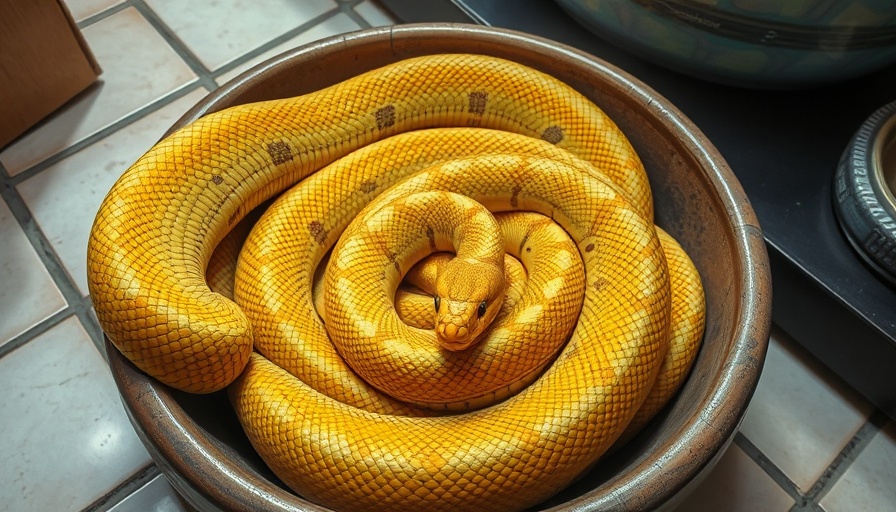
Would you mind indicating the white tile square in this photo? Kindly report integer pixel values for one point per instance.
(139, 67)
(737, 484)
(156, 496)
(802, 415)
(28, 294)
(66, 438)
(65, 197)
(333, 26)
(867, 483)
(375, 14)
(83, 9)
(219, 32)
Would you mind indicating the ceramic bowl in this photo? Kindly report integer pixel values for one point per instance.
(198, 443)
(778, 45)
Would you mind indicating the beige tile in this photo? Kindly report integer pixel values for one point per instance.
(375, 14)
(219, 32)
(139, 67)
(82, 9)
(867, 483)
(335, 25)
(802, 415)
(27, 294)
(66, 438)
(65, 197)
(737, 484)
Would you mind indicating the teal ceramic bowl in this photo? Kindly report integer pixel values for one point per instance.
(771, 44)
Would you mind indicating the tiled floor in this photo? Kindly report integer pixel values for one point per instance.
(807, 443)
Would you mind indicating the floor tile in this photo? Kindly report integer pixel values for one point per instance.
(219, 32)
(28, 294)
(156, 496)
(335, 25)
(737, 484)
(82, 9)
(802, 415)
(66, 438)
(139, 67)
(375, 14)
(868, 482)
(65, 197)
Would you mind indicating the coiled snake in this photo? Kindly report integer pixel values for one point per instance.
(506, 136)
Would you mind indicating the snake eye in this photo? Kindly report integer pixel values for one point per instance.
(438, 302)
(482, 307)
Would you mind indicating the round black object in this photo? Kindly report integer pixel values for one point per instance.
(863, 193)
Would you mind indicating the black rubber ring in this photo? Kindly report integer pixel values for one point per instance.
(863, 201)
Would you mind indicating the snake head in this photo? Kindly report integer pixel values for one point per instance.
(468, 295)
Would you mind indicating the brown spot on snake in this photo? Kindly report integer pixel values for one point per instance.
(523, 243)
(368, 186)
(394, 259)
(553, 134)
(514, 197)
(385, 117)
(280, 152)
(217, 180)
(599, 283)
(430, 234)
(589, 248)
(478, 100)
(316, 228)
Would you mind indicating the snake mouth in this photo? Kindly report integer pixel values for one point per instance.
(456, 346)
(454, 336)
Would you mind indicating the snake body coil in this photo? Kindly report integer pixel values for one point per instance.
(507, 136)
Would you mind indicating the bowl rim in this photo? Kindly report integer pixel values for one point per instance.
(149, 403)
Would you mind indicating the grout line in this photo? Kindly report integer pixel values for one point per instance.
(48, 257)
(775, 473)
(105, 13)
(179, 47)
(101, 134)
(273, 43)
(810, 500)
(34, 331)
(846, 457)
(348, 8)
(125, 489)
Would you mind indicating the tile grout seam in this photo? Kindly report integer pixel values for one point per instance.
(844, 459)
(105, 13)
(75, 303)
(766, 465)
(124, 489)
(203, 74)
(810, 500)
(273, 43)
(348, 8)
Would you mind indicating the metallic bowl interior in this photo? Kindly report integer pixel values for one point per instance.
(199, 444)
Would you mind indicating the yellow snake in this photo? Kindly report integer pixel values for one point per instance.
(157, 228)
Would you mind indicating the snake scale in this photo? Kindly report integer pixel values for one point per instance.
(508, 137)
